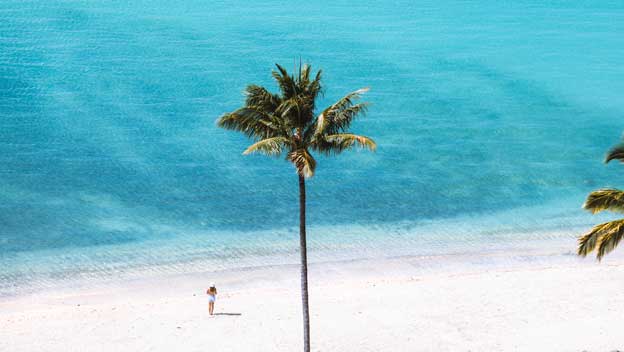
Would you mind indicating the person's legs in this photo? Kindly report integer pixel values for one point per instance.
(210, 307)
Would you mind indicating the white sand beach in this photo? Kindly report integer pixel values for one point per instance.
(359, 306)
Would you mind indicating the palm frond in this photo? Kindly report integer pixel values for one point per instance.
(286, 82)
(260, 98)
(315, 88)
(310, 88)
(338, 116)
(616, 152)
(269, 146)
(251, 122)
(604, 237)
(605, 199)
(303, 161)
(337, 143)
(291, 110)
(304, 74)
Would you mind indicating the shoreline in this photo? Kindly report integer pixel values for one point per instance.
(32, 272)
(493, 255)
(536, 255)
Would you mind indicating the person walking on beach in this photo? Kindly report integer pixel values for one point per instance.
(212, 296)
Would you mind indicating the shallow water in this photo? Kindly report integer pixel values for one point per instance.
(491, 119)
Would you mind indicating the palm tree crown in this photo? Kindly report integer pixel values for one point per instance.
(604, 237)
(287, 122)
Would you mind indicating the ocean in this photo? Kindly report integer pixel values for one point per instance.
(491, 119)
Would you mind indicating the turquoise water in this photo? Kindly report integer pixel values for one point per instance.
(496, 114)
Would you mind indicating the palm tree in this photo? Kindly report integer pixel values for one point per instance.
(286, 123)
(604, 237)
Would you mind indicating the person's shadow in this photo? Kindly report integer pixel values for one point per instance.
(229, 314)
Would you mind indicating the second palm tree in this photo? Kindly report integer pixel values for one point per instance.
(604, 237)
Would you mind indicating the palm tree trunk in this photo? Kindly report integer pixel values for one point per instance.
(304, 264)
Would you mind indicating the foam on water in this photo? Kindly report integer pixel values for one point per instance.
(491, 120)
